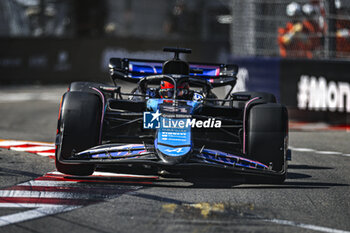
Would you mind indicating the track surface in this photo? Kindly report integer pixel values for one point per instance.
(314, 198)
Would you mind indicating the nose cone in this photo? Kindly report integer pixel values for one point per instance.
(173, 143)
(172, 155)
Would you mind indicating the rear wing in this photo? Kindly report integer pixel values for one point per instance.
(133, 70)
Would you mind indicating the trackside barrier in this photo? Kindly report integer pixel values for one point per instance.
(313, 90)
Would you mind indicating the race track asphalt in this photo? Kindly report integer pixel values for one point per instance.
(314, 198)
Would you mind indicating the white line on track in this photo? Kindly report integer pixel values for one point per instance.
(305, 226)
(20, 97)
(36, 213)
(329, 152)
(302, 149)
(318, 151)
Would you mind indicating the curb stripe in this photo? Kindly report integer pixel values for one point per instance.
(26, 205)
(43, 200)
(47, 154)
(24, 142)
(42, 194)
(33, 149)
(49, 183)
(104, 174)
(91, 181)
(29, 146)
(55, 193)
(103, 190)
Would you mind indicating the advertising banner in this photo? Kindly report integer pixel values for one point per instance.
(316, 90)
(313, 90)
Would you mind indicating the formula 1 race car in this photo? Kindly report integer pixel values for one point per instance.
(172, 123)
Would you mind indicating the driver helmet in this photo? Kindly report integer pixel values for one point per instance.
(167, 90)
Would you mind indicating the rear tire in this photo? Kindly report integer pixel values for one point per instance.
(78, 129)
(267, 134)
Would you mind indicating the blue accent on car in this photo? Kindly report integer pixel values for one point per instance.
(116, 155)
(146, 67)
(126, 150)
(174, 141)
(140, 69)
(195, 105)
(153, 104)
(229, 159)
(174, 152)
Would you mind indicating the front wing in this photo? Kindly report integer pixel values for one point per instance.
(146, 154)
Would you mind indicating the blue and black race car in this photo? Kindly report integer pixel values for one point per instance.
(172, 123)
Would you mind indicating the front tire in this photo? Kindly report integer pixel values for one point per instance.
(267, 135)
(78, 129)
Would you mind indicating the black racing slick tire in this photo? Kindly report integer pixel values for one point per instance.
(267, 135)
(78, 129)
